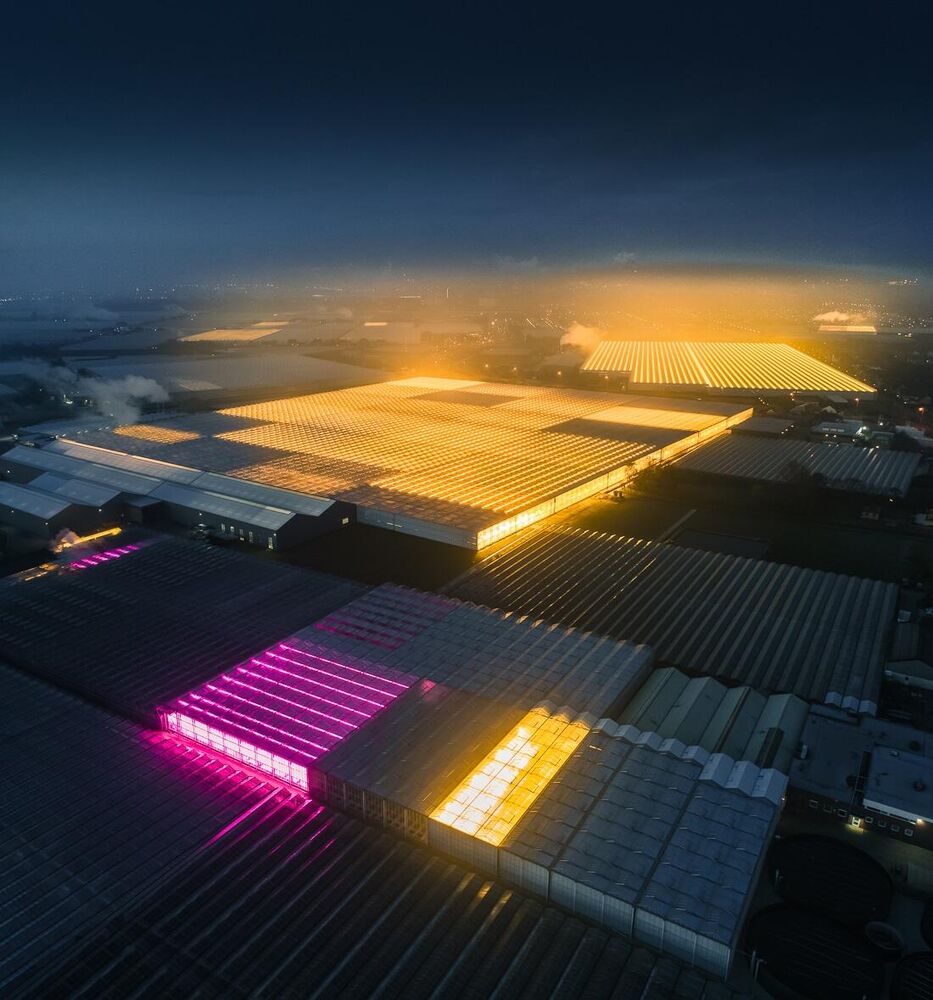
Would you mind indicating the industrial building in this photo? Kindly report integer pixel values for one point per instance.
(821, 636)
(460, 462)
(136, 489)
(41, 514)
(869, 774)
(729, 369)
(770, 427)
(848, 467)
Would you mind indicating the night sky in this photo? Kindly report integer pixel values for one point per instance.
(164, 142)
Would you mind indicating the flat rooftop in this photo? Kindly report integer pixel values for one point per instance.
(456, 461)
(895, 761)
(733, 368)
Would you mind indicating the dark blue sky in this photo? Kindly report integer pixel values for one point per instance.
(172, 142)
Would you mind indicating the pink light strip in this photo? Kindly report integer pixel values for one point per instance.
(343, 666)
(99, 557)
(295, 704)
(277, 712)
(265, 708)
(256, 722)
(326, 673)
(289, 687)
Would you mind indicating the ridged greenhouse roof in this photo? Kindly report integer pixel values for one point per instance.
(701, 711)
(481, 651)
(664, 828)
(838, 466)
(140, 630)
(775, 627)
(129, 853)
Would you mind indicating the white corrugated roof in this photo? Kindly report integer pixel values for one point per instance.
(95, 476)
(71, 467)
(165, 471)
(79, 490)
(272, 496)
(29, 501)
(271, 518)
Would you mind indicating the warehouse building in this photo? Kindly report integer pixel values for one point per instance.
(847, 467)
(821, 636)
(144, 490)
(768, 427)
(868, 774)
(460, 462)
(729, 369)
(145, 841)
(42, 514)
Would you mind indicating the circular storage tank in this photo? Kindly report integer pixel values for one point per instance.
(913, 977)
(807, 954)
(831, 877)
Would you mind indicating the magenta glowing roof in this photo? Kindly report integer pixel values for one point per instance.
(96, 558)
(281, 710)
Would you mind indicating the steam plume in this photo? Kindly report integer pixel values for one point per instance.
(116, 398)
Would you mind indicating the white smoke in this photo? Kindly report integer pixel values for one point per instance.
(586, 338)
(117, 398)
(65, 541)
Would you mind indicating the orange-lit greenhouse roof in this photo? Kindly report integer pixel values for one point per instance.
(737, 367)
(459, 461)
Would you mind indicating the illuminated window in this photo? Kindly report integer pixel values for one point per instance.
(490, 801)
(237, 749)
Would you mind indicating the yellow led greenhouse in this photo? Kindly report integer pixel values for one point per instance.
(492, 799)
(456, 461)
(729, 369)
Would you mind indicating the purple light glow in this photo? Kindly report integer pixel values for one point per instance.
(101, 557)
(280, 711)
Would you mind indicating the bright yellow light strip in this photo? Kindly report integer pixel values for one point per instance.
(490, 801)
(106, 533)
(750, 366)
(246, 333)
